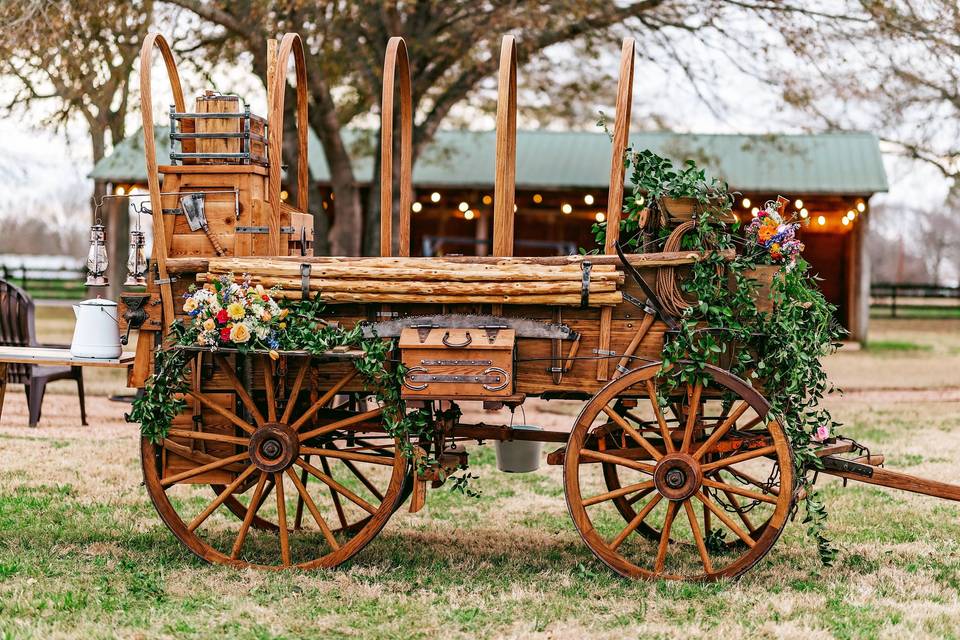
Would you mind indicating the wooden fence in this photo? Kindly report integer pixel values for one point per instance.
(47, 283)
(914, 300)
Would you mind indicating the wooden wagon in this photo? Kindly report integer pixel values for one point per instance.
(285, 461)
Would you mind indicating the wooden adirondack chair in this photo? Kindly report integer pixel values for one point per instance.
(18, 329)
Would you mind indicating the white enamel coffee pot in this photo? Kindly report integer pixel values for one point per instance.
(97, 334)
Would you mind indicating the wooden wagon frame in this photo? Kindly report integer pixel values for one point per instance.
(695, 481)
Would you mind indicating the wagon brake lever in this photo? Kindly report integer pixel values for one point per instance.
(652, 300)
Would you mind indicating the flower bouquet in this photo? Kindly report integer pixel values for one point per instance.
(774, 234)
(225, 313)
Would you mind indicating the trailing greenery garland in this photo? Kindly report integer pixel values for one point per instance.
(780, 350)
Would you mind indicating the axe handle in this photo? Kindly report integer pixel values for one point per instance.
(213, 241)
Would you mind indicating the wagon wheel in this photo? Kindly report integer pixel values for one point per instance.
(725, 459)
(625, 502)
(321, 479)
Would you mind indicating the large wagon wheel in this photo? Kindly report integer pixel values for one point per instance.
(320, 480)
(706, 497)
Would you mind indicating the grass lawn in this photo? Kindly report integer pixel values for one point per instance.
(83, 553)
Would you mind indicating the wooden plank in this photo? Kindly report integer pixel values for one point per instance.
(506, 154)
(61, 357)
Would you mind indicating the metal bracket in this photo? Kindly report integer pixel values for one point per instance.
(640, 304)
(586, 267)
(604, 352)
(305, 269)
(456, 363)
(848, 466)
(249, 229)
(492, 330)
(165, 280)
(288, 230)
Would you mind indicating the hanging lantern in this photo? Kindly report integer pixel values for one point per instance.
(136, 260)
(97, 256)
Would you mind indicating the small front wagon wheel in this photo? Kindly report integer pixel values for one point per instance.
(707, 492)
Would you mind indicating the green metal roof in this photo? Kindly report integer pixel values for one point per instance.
(825, 163)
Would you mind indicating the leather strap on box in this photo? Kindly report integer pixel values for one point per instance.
(305, 280)
(585, 267)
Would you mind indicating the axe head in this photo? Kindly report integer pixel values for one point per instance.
(192, 206)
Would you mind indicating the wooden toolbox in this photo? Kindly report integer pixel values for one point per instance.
(457, 363)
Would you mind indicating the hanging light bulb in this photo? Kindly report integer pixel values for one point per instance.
(861, 206)
(487, 199)
(746, 203)
(821, 220)
(600, 217)
(588, 199)
(798, 203)
(566, 208)
(845, 221)
(417, 207)
(468, 214)
(537, 198)
(464, 206)
(435, 197)
(804, 213)
(97, 256)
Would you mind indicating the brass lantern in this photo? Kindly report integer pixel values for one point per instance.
(136, 259)
(97, 256)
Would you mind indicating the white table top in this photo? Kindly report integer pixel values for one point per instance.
(52, 356)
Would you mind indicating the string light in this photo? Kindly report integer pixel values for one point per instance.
(284, 195)
(851, 214)
(798, 204)
(468, 214)
(435, 197)
(487, 199)
(821, 220)
(588, 199)
(120, 191)
(417, 207)
(463, 207)
(755, 211)
(600, 217)
(746, 203)
(804, 213)
(861, 206)
(845, 221)
(537, 198)
(566, 208)
(514, 208)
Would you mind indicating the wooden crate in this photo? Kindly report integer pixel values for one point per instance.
(457, 362)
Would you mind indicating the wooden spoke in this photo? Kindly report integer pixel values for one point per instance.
(240, 388)
(333, 484)
(753, 495)
(203, 435)
(720, 431)
(298, 516)
(295, 391)
(623, 424)
(323, 400)
(282, 519)
(312, 507)
(754, 481)
(664, 430)
(269, 387)
(639, 496)
(740, 457)
(599, 456)
(372, 488)
(334, 495)
(189, 473)
(698, 537)
(725, 519)
(665, 537)
(339, 424)
(633, 524)
(348, 455)
(736, 507)
(226, 413)
(226, 493)
(197, 456)
(692, 411)
(252, 509)
(610, 495)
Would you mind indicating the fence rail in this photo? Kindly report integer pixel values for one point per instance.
(910, 300)
(47, 283)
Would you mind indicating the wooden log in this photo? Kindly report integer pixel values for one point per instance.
(601, 299)
(406, 275)
(639, 260)
(431, 288)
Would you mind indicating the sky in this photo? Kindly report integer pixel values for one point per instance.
(34, 161)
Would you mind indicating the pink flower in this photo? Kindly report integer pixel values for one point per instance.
(822, 433)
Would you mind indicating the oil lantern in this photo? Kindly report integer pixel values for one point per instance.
(97, 256)
(136, 260)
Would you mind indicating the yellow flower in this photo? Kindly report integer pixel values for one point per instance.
(209, 324)
(274, 355)
(239, 333)
(283, 325)
(190, 305)
(235, 310)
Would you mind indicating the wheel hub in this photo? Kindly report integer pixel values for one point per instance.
(274, 447)
(677, 476)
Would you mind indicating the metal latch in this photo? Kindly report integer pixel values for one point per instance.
(848, 466)
(492, 330)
